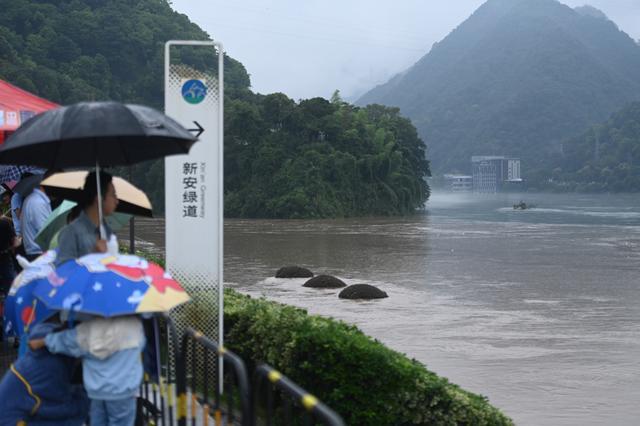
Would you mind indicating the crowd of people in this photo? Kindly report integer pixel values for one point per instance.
(73, 373)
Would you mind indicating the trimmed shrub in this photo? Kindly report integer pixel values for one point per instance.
(360, 378)
(357, 376)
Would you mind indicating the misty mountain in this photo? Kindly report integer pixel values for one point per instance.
(606, 157)
(516, 78)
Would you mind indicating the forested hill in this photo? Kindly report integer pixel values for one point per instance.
(604, 158)
(77, 50)
(516, 78)
(320, 159)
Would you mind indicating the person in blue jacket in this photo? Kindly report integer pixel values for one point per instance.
(37, 389)
(111, 353)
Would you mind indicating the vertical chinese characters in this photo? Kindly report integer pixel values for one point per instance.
(189, 187)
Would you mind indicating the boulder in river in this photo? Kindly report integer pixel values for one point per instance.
(325, 281)
(293, 272)
(362, 291)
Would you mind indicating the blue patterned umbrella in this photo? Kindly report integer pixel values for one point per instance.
(22, 309)
(108, 285)
(14, 173)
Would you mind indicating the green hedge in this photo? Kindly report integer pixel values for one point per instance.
(363, 380)
(360, 378)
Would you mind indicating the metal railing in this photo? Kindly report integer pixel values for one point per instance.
(286, 403)
(157, 400)
(200, 397)
(185, 386)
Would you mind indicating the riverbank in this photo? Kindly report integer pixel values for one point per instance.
(360, 378)
(532, 308)
(332, 360)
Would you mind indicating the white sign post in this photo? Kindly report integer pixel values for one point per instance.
(194, 191)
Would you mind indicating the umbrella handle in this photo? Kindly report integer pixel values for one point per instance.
(100, 219)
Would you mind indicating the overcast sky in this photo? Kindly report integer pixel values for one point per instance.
(308, 48)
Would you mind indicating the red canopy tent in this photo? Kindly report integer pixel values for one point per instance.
(17, 106)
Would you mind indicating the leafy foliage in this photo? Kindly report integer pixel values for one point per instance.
(516, 78)
(604, 158)
(72, 50)
(81, 50)
(282, 159)
(334, 360)
(320, 159)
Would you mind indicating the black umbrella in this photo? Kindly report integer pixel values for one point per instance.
(110, 133)
(96, 134)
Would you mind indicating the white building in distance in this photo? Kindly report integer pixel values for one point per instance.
(458, 183)
(491, 173)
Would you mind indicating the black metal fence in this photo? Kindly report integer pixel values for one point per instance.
(157, 401)
(279, 401)
(200, 396)
(185, 386)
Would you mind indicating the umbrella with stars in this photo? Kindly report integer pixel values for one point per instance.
(107, 285)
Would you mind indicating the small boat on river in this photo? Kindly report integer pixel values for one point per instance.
(523, 206)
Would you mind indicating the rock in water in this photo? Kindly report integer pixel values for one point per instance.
(293, 272)
(324, 281)
(362, 291)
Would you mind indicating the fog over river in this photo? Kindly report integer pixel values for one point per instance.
(538, 310)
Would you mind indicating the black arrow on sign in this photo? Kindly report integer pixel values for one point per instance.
(199, 129)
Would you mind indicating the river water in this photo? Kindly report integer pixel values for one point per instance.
(538, 310)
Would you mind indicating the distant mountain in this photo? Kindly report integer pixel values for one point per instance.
(587, 10)
(606, 157)
(516, 78)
